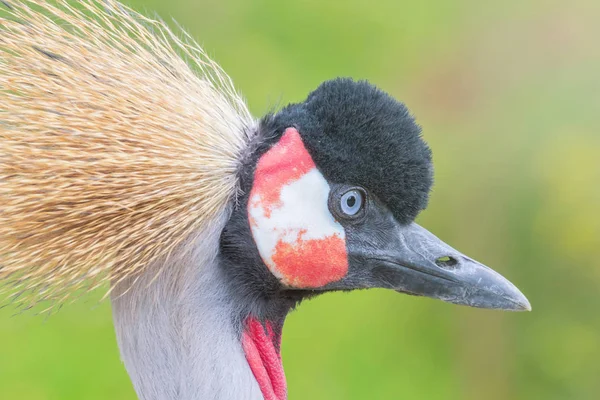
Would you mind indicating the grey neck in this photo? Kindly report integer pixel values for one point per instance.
(176, 332)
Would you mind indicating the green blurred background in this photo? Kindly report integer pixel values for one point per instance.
(508, 94)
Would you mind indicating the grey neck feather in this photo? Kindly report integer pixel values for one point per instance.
(176, 332)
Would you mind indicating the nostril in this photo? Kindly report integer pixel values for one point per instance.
(446, 262)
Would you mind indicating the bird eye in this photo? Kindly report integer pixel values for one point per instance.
(351, 202)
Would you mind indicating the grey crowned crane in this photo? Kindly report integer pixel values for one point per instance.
(120, 162)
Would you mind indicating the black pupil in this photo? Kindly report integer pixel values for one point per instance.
(351, 201)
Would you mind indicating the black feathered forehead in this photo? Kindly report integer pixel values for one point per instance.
(360, 135)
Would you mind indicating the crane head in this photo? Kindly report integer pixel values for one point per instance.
(332, 189)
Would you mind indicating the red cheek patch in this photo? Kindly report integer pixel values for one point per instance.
(312, 263)
(296, 235)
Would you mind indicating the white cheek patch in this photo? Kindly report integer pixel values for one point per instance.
(296, 235)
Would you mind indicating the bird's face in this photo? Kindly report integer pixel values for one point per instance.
(333, 196)
(320, 235)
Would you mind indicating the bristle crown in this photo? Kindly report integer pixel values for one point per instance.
(113, 149)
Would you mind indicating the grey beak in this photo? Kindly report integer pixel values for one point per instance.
(418, 263)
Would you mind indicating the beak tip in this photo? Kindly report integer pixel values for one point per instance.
(519, 302)
(525, 305)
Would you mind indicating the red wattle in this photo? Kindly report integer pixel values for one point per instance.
(261, 347)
